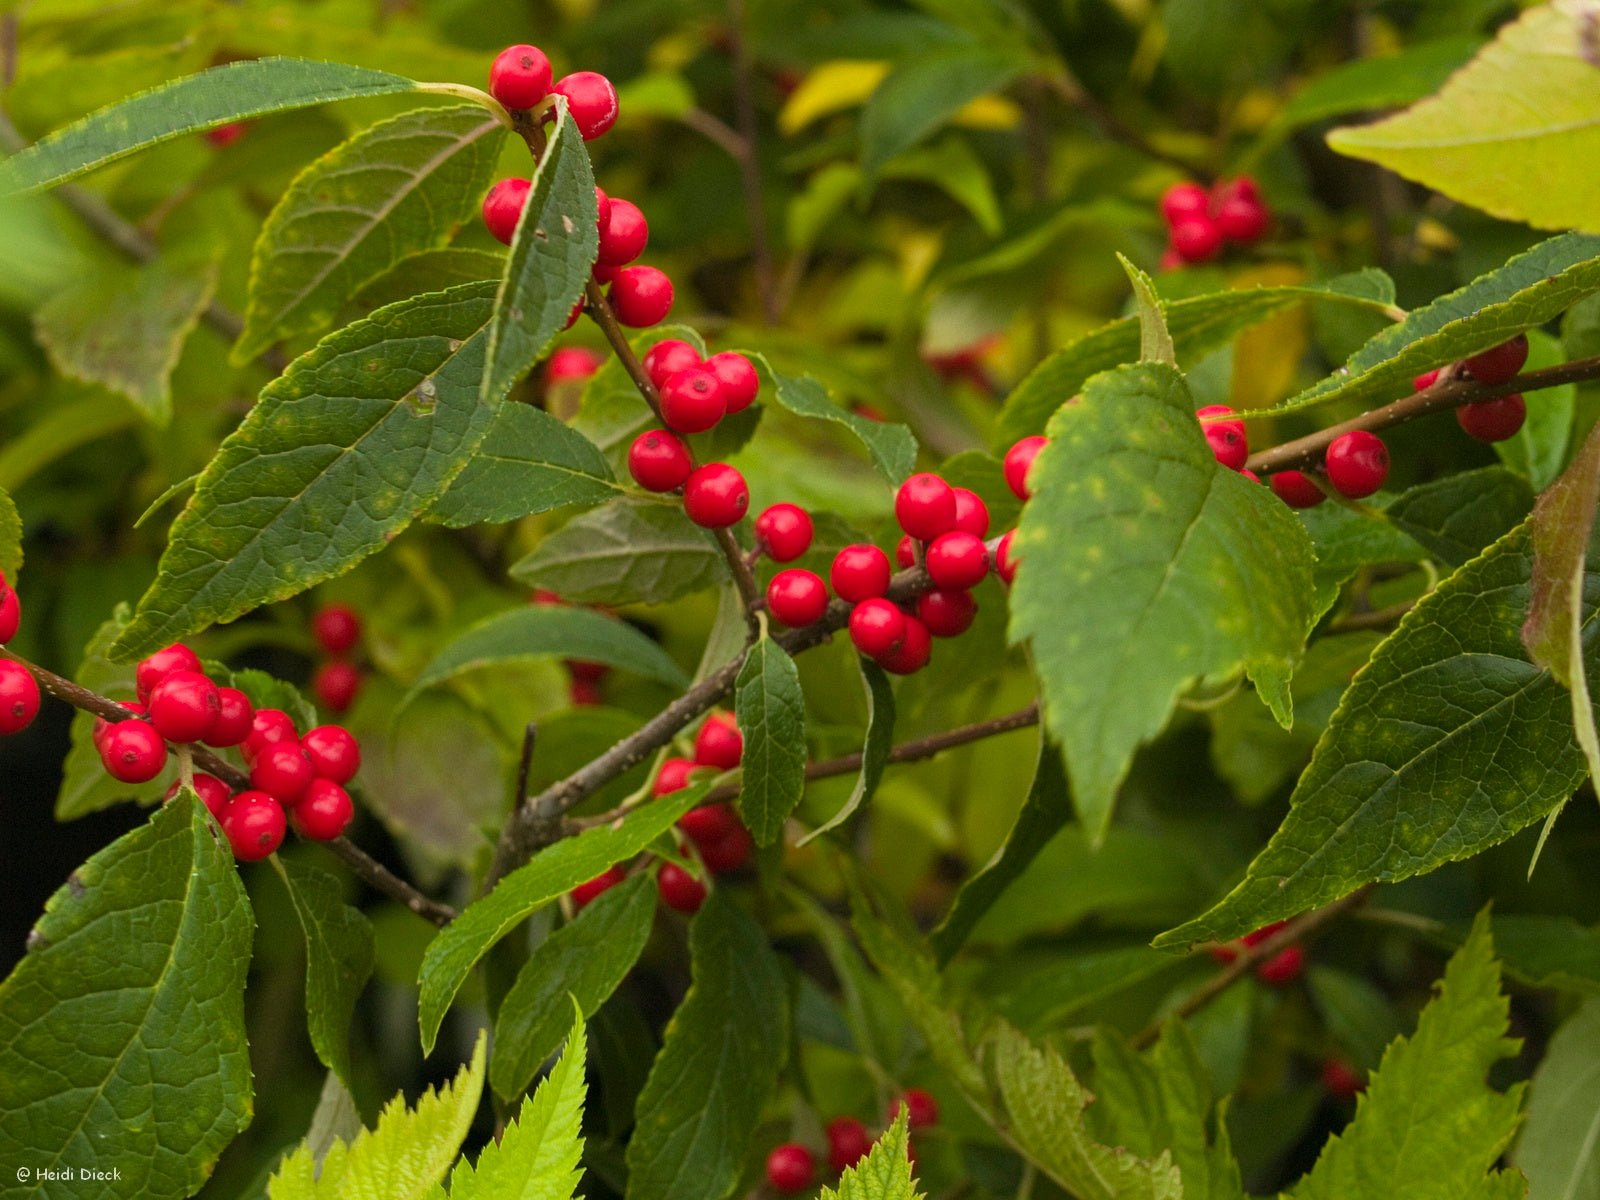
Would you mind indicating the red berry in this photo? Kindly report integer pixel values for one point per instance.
(324, 812)
(584, 671)
(235, 718)
(947, 613)
(10, 612)
(1243, 220)
(1250, 475)
(269, 726)
(1297, 489)
(133, 752)
(784, 531)
(624, 235)
(336, 685)
(213, 793)
(659, 461)
(719, 742)
(925, 506)
(19, 697)
(915, 649)
(602, 209)
(877, 628)
(1005, 563)
(848, 1143)
(709, 823)
(1426, 380)
(1226, 438)
(957, 560)
(1498, 363)
(254, 824)
(972, 514)
(1357, 463)
(1184, 202)
(1493, 420)
(790, 1168)
(603, 882)
(641, 296)
(797, 597)
(337, 628)
(520, 76)
(1283, 968)
(667, 357)
(226, 135)
(728, 853)
(184, 706)
(716, 496)
(585, 693)
(680, 890)
(922, 1110)
(673, 776)
(691, 401)
(860, 572)
(1017, 461)
(152, 670)
(737, 375)
(334, 752)
(1244, 188)
(591, 100)
(502, 208)
(283, 770)
(1256, 936)
(1341, 1080)
(577, 311)
(572, 363)
(1196, 239)
(905, 551)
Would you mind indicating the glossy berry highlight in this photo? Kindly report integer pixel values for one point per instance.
(659, 461)
(1357, 464)
(692, 401)
(925, 506)
(520, 76)
(797, 597)
(784, 532)
(132, 752)
(877, 628)
(254, 825)
(592, 101)
(860, 572)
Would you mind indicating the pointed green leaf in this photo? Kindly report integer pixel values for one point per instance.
(892, 446)
(122, 1040)
(628, 552)
(1155, 340)
(1458, 516)
(884, 1174)
(1382, 81)
(771, 711)
(1558, 1147)
(874, 754)
(926, 90)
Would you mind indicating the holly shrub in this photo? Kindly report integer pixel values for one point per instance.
(876, 600)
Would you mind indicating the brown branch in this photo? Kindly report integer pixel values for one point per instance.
(744, 108)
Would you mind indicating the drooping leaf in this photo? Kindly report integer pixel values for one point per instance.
(626, 552)
(874, 753)
(122, 1039)
(395, 189)
(1457, 516)
(1145, 566)
(884, 1174)
(223, 94)
(718, 1064)
(771, 711)
(548, 875)
(926, 90)
(892, 446)
(1557, 1148)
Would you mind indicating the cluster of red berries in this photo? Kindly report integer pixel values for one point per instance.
(521, 80)
(791, 1167)
(1200, 222)
(336, 629)
(1282, 969)
(19, 690)
(585, 677)
(1487, 420)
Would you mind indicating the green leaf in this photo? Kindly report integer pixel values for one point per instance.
(925, 91)
(397, 188)
(431, 271)
(627, 552)
(1557, 1148)
(1384, 81)
(555, 244)
(1155, 340)
(1524, 110)
(699, 1110)
(1357, 1013)
(771, 711)
(122, 1039)
(404, 1158)
(1538, 450)
(884, 1174)
(339, 958)
(584, 960)
(874, 753)
(550, 874)
(529, 463)
(1146, 566)
(124, 328)
(1429, 1127)
(228, 93)
(335, 459)
(892, 446)
(10, 537)
(950, 164)
(1448, 742)
(1457, 516)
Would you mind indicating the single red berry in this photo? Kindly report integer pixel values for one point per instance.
(520, 77)
(947, 614)
(336, 684)
(957, 560)
(152, 670)
(254, 825)
(1184, 202)
(19, 697)
(848, 1143)
(1498, 363)
(915, 649)
(213, 793)
(590, 672)
(577, 311)
(1197, 239)
(972, 514)
(1493, 420)
(1017, 461)
(1256, 936)
(790, 1168)
(1283, 968)
(10, 612)
(1223, 952)
(784, 532)
(625, 235)
(585, 693)
(502, 208)
(103, 726)
(716, 496)
(1243, 220)
(1226, 438)
(680, 890)
(667, 357)
(709, 823)
(860, 572)
(797, 597)
(1357, 463)
(877, 627)
(925, 506)
(284, 770)
(737, 375)
(1005, 562)
(337, 628)
(133, 752)
(603, 882)
(641, 296)
(719, 742)
(922, 1110)
(1426, 380)
(269, 726)
(1297, 489)
(235, 718)
(728, 853)
(1244, 188)
(1341, 1080)
(571, 363)
(226, 135)
(905, 551)
(691, 401)
(324, 812)
(673, 776)
(591, 100)
(334, 752)
(659, 461)
(184, 706)
(602, 209)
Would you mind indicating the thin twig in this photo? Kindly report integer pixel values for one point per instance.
(714, 129)
(529, 736)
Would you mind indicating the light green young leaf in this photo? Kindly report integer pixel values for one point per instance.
(395, 189)
(1155, 340)
(892, 446)
(10, 538)
(884, 1174)
(771, 711)
(122, 1039)
(926, 90)
(627, 552)
(874, 754)
(1559, 1150)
